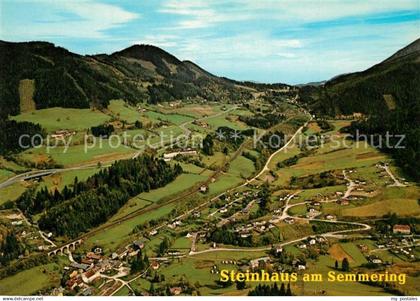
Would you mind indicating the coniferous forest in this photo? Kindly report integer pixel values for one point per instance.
(11, 131)
(88, 204)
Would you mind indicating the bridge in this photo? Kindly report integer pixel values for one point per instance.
(68, 247)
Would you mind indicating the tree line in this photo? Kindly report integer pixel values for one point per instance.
(271, 290)
(263, 121)
(10, 248)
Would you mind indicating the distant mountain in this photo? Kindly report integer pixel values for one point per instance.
(320, 83)
(53, 76)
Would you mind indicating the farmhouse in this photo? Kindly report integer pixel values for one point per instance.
(255, 262)
(93, 256)
(401, 229)
(61, 134)
(175, 290)
(155, 265)
(138, 244)
(170, 156)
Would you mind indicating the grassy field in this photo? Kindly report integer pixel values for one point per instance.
(12, 192)
(313, 128)
(223, 183)
(5, 174)
(333, 288)
(172, 118)
(290, 232)
(124, 111)
(298, 210)
(59, 180)
(197, 111)
(53, 119)
(402, 207)
(222, 120)
(77, 154)
(113, 237)
(181, 243)
(216, 160)
(190, 168)
(132, 205)
(30, 281)
(354, 252)
(242, 167)
(181, 183)
(124, 291)
(142, 200)
(309, 194)
(330, 156)
(10, 165)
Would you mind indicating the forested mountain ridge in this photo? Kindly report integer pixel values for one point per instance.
(387, 94)
(393, 82)
(140, 73)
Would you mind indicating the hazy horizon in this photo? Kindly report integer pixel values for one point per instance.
(266, 41)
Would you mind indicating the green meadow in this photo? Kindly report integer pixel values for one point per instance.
(53, 119)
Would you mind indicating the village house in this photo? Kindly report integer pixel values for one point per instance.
(175, 290)
(90, 275)
(154, 265)
(256, 262)
(401, 229)
(289, 220)
(344, 202)
(330, 217)
(138, 244)
(87, 261)
(201, 123)
(363, 248)
(93, 256)
(80, 266)
(62, 134)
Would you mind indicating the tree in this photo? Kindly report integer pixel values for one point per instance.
(138, 124)
(240, 285)
(288, 291)
(137, 264)
(208, 145)
(163, 246)
(282, 291)
(345, 266)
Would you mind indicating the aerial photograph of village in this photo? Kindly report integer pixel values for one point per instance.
(209, 148)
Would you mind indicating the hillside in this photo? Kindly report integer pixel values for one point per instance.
(387, 93)
(391, 83)
(42, 75)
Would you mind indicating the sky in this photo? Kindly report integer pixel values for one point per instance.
(289, 41)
